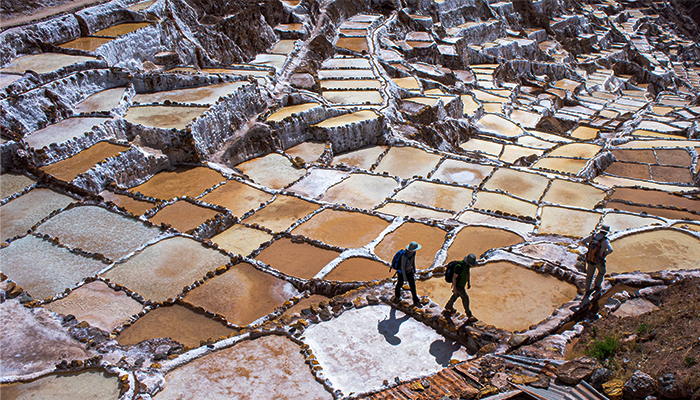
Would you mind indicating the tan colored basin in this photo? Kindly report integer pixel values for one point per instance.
(237, 197)
(521, 184)
(183, 216)
(505, 203)
(483, 146)
(568, 222)
(658, 250)
(361, 191)
(583, 150)
(494, 124)
(416, 212)
(363, 158)
(69, 168)
(446, 197)
(239, 239)
(301, 260)
(184, 181)
(282, 213)
(62, 131)
(285, 112)
(136, 207)
(342, 228)
(565, 165)
(429, 237)
(358, 44)
(121, 29)
(101, 101)
(86, 43)
(43, 63)
(621, 221)
(22, 213)
(461, 172)
(13, 183)
(348, 119)
(274, 171)
(357, 269)
(479, 239)
(199, 95)
(407, 162)
(353, 96)
(83, 385)
(166, 117)
(573, 194)
(308, 151)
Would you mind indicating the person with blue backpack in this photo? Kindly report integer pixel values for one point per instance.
(459, 274)
(404, 262)
(598, 248)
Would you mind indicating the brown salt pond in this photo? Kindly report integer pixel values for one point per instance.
(660, 212)
(176, 322)
(242, 294)
(342, 228)
(62, 131)
(121, 29)
(494, 124)
(279, 215)
(462, 172)
(183, 215)
(100, 101)
(358, 44)
(301, 260)
(89, 384)
(287, 111)
(237, 197)
(97, 230)
(184, 181)
(358, 269)
(565, 165)
(642, 156)
(239, 239)
(98, 304)
(658, 250)
(676, 157)
(568, 222)
(573, 194)
(407, 162)
(86, 43)
(504, 203)
(663, 173)
(43, 269)
(362, 158)
(136, 207)
(162, 269)
(308, 151)
(198, 95)
(348, 119)
(353, 96)
(629, 170)
(430, 238)
(274, 171)
(13, 183)
(44, 63)
(22, 213)
(361, 191)
(446, 197)
(269, 367)
(622, 221)
(521, 184)
(166, 117)
(416, 212)
(70, 168)
(479, 239)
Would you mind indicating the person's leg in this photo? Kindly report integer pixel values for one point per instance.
(599, 277)
(465, 300)
(412, 284)
(590, 268)
(399, 285)
(450, 303)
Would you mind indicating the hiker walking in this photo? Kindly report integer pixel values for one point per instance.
(404, 262)
(459, 273)
(598, 248)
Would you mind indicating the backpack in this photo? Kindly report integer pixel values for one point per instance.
(595, 251)
(396, 261)
(450, 271)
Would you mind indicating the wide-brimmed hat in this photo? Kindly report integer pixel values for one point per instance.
(604, 229)
(470, 260)
(413, 246)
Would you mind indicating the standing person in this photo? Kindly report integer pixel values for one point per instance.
(406, 269)
(598, 248)
(461, 278)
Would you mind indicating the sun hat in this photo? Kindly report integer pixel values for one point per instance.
(413, 246)
(470, 260)
(605, 228)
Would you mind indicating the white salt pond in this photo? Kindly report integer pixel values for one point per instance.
(407, 162)
(62, 131)
(362, 158)
(22, 213)
(317, 182)
(100, 101)
(361, 191)
(199, 95)
(568, 222)
(446, 197)
(44, 63)
(348, 119)
(84, 385)
(13, 183)
(239, 239)
(499, 126)
(353, 96)
(274, 171)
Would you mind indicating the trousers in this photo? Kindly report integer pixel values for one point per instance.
(590, 269)
(461, 293)
(411, 283)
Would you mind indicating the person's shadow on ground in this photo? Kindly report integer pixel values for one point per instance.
(390, 327)
(443, 350)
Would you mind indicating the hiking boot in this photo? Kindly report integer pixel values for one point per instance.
(449, 311)
(472, 319)
(395, 299)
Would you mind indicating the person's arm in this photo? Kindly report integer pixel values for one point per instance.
(608, 248)
(469, 279)
(587, 240)
(454, 282)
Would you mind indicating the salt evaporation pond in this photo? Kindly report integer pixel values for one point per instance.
(416, 212)
(407, 162)
(279, 215)
(568, 222)
(573, 194)
(361, 191)
(238, 197)
(22, 213)
(62, 131)
(100, 101)
(446, 197)
(122, 29)
(353, 96)
(520, 184)
(44, 63)
(183, 215)
(504, 203)
(166, 117)
(656, 250)
(70, 168)
(462, 173)
(358, 269)
(183, 181)
(274, 171)
(287, 111)
(13, 183)
(240, 239)
(362, 158)
(199, 95)
(342, 228)
(300, 260)
(69, 386)
(308, 151)
(136, 207)
(86, 43)
(479, 239)
(429, 237)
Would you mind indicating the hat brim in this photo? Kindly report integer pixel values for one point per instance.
(409, 248)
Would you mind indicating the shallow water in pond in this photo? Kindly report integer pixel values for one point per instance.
(342, 228)
(121, 29)
(357, 44)
(347, 119)
(357, 269)
(274, 171)
(301, 260)
(492, 123)
(407, 162)
(505, 203)
(359, 63)
(285, 112)
(629, 170)
(62, 131)
(283, 47)
(568, 222)
(101, 101)
(642, 156)
(663, 173)
(512, 153)
(361, 191)
(176, 322)
(171, 263)
(430, 238)
(43, 63)
(86, 43)
(479, 239)
(284, 211)
(239, 239)
(521, 184)
(573, 194)
(483, 146)
(654, 197)
(267, 367)
(13, 183)
(166, 117)
(446, 197)
(362, 158)
(353, 96)
(70, 168)
(242, 294)
(658, 250)
(397, 209)
(184, 181)
(199, 95)
(22, 213)
(621, 221)
(237, 197)
(136, 207)
(88, 384)
(183, 215)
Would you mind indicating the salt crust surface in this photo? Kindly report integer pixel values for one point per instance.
(23, 212)
(62, 131)
(406, 162)
(237, 197)
(274, 171)
(199, 95)
(239, 239)
(447, 197)
(279, 215)
(101, 101)
(83, 385)
(361, 191)
(317, 182)
(13, 183)
(568, 222)
(342, 228)
(362, 158)
(376, 343)
(657, 250)
(412, 211)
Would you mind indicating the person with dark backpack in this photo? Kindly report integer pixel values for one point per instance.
(598, 248)
(459, 274)
(404, 262)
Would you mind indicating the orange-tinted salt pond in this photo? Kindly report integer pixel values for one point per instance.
(521, 184)
(301, 260)
(504, 203)
(239, 239)
(660, 212)
(279, 215)
(122, 29)
(166, 117)
(101, 101)
(461, 172)
(71, 167)
(447, 197)
(363, 158)
(184, 181)
(183, 215)
(573, 194)
(429, 237)
(98, 304)
(199, 95)
(479, 239)
(342, 228)
(274, 171)
(43, 63)
(285, 112)
(483, 146)
(176, 322)
(86, 43)
(267, 367)
(568, 222)
(237, 197)
(89, 384)
(44, 269)
(407, 162)
(361, 191)
(162, 269)
(13, 183)
(359, 269)
(416, 212)
(62, 131)
(22, 213)
(657, 250)
(242, 294)
(654, 197)
(97, 230)
(358, 44)
(136, 207)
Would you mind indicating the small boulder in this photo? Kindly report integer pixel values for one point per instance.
(161, 352)
(670, 388)
(639, 386)
(469, 393)
(574, 371)
(599, 377)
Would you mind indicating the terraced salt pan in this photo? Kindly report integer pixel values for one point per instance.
(648, 144)
(521, 184)
(183, 216)
(582, 150)
(136, 207)
(239, 239)
(504, 203)
(657, 250)
(69, 168)
(661, 212)
(483, 146)
(176, 322)
(238, 197)
(348, 119)
(361, 191)
(469, 106)
(362, 158)
(86, 43)
(84, 385)
(101, 101)
(407, 162)
(22, 213)
(654, 197)
(242, 294)
(44, 269)
(526, 119)
(346, 73)
(142, 5)
(284, 211)
(358, 44)
(376, 341)
(568, 222)
(584, 133)
(121, 29)
(315, 184)
(162, 269)
(573, 194)
(199, 95)
(675, 157)
(308, 151)
(7, 79)
(13, 183)
(409, 83)
(183, 181)
(461, 172)
(355, 63)
(357, 269)
(353, 96)
(275, 61)
(98, 304)
(641, 156)
(229, 71)
(629, 170)
(287, 111)
(663, 173)
(621, 221)
(400, 209)
(274, 171)
(429, 237)
(549, 137)
(342, 228)
(367, 84)
(534, 142)
(97, 230)
(479, 239)
(44, 63)
(446, 197)
(283, 47)
(565, 165)
(62, 131)
(496, 125)
(166, 117)
(267, 367)
(301, 260)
